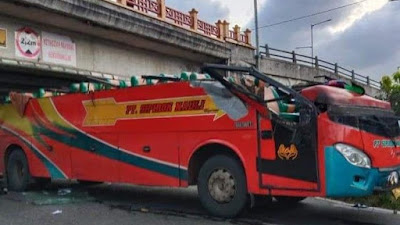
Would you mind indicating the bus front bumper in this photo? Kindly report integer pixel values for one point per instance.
(346, 180)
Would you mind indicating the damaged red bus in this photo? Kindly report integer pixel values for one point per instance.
(234, 134)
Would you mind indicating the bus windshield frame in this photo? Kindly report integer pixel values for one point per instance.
(214, 71)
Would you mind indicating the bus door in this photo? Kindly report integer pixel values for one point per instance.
(288, 148)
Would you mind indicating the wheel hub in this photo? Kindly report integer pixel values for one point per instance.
(221, 186)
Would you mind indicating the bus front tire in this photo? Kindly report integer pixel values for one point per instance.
(18, 176)
(222, 186)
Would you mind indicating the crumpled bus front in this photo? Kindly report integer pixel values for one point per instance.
(357, 169)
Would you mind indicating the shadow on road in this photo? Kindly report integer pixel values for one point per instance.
(185, 203)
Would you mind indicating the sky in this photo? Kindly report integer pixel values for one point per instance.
(364, 37)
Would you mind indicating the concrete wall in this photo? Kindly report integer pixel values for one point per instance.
(115, 40)
(95, 54)
(105, 20)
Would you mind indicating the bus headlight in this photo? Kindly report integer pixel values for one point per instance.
(353, 155)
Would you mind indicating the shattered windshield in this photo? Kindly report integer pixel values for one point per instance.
(224, 99)
(373, 120)
(277, 98)
(246, 84)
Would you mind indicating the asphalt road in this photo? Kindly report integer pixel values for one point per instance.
(125, 204)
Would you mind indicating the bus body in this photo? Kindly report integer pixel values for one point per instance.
(184, 133)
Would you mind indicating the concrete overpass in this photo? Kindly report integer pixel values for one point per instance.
(54, 42)
(292, 68)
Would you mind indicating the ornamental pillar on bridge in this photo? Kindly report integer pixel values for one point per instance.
(220, 26)
(122, 2)
(163, 9)
(236, 30)
(194, 15)
(225, 29)
(247, 33)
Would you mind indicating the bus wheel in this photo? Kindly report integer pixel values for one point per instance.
(222, 186)
(286, 200)
(18, 176)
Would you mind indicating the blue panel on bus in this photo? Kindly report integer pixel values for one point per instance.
(346, 180)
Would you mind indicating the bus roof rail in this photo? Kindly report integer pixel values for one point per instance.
(161, 78)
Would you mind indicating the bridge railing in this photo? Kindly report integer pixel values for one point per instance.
(157, 9)
(318, 63)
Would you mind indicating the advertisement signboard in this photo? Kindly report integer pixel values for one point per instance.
(58, 49)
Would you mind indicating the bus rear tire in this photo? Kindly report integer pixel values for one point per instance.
(222, 186)
(18, 176)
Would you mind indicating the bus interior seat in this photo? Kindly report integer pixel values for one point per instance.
(284, 110)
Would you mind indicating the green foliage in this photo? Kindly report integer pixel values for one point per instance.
(383, 200)
(391, 89)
